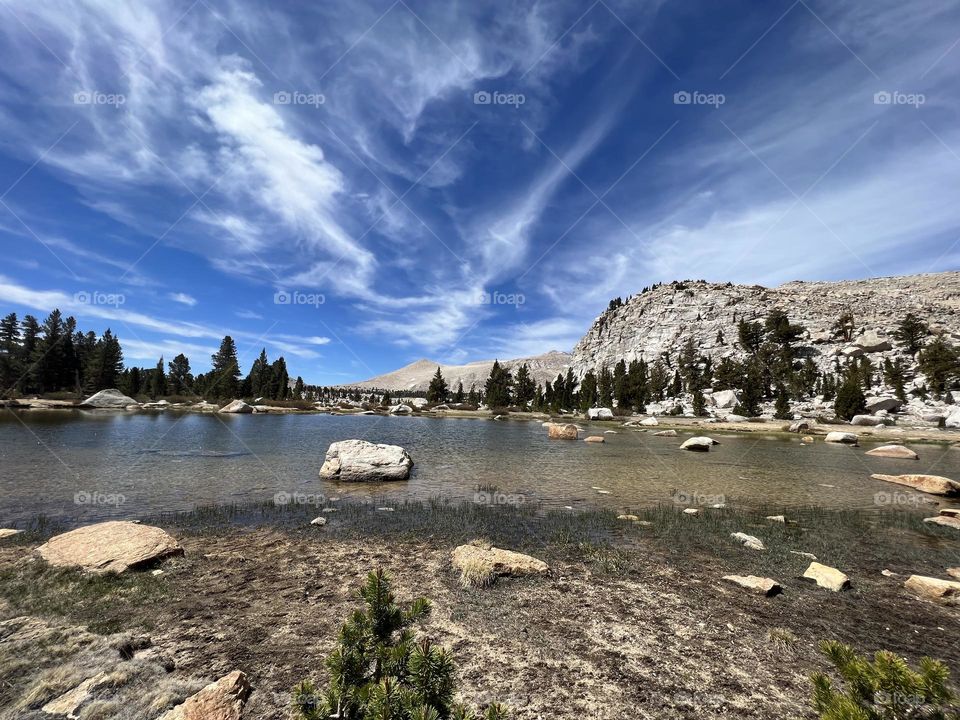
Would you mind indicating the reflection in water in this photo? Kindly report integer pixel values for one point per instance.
(169, 461)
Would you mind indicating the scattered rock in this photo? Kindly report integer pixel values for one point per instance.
(725, 399)
(480, 560)
(699, 444)
(8, 532)
(237, 406)
(220, 700)
(890, 404)
(871, 342)
(760, 585)
(799, 426)
(888, 573)
(827, 577)
(630, 518)
(777, 518)
(807, 440)
(114, 546)
(691, 511)
(867, 421)
(945, 520)
(842, 437)
(319, 520)
(649, 422)
(610, 432)
(594, 439)
(735, 418)
(945, 592)
(951, 511)
(749, 541)
(110, 398)
(385, 509)
(560, 431)
(893, 451)
(809, 556)
(600, 414)
(665, 433)
(932, 484)
(362, 461)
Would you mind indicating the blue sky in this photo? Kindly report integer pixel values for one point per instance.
(356, 185)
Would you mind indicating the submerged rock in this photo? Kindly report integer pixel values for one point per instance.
(932, 484)
(114, 546)
(760, 585)
(562, 431)
(665, 433)
(893, 451)
(827, 577)
(220, 700)
(845, 438)
(362, 461)
(699, 444)
(111, 398)
(594, 439)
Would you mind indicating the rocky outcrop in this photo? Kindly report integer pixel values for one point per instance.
(600, 414)
(843, 438)
(725, 399)
(760, 585)
(362, 461)
(944, 592)
(114, 546)
(893, 451)
(827, 577)
(238, 407)
(562, 431)
(220, 700)
(932, 484)
(111, 398)
(698, 444)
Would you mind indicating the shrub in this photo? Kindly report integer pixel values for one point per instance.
(884, 689)
(380, 671)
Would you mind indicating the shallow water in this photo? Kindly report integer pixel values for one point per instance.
(81, 466)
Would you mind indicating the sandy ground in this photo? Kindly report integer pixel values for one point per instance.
(609, 633)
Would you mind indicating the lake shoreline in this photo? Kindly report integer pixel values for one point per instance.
(630, 615)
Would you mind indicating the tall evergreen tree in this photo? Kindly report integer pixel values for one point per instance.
(224, 380)
(261, 376)
(437, 391)
(605, 388)
(911, 332)
(158, 381)
(279, 379)
(524, 387)
(940, 362)
(588, 391)
(458, 395)
(179, 379)
(498, 387)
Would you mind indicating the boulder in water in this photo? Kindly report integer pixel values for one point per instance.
(932, 484)
(111, 398)
(699, 444)
(362, 461)
(893, 451)
(844, 438)
(561, 431)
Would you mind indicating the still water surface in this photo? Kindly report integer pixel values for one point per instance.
(81, 466)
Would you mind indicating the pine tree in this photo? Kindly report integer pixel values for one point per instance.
(387, 399)
(225, 371)
(570, 390)
(781, 409)
(458, 395)
(298, 389)
(10, 366)
(750, 335)
(379, 670)
(699, 403)
(498, 387)
(605, 388)
(588, 391)
(911, 333)
(158, 381)
(850, 399)
(179, 378)
(472, 398)
(260, 376)
(524, 388)
(940, 362)
(676, 387)
(559, 392)
(437, 391)
(638, 384)
(659, 380)
(47, 362)
(279, 379)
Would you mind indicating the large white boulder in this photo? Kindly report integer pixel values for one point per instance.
(600, 414)
(871, 342)
(699, 444)
(362, 461)
(649, 422)
(890, 404)
(844, 438)
(111, 398)
(237, 406)
(725, 399)
(893, 451)
(562, 431)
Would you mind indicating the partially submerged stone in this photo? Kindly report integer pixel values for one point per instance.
(665, 433)
(749, 541)
(827, 577)
(114, 546)
(562, 431)
(594, 439)
(362, 461)
(760, 585)
(220, 700)
(932, 484)
(698, 444)
(238, 407)
(945, 592)
(844, 438)
(893, 451)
